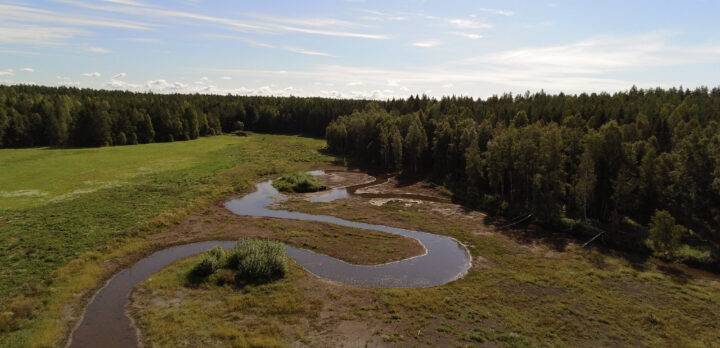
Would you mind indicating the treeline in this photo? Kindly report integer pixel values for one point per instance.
(47, 116)
(619, 162)
(601, 161)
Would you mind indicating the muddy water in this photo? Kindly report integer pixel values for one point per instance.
(106, 325)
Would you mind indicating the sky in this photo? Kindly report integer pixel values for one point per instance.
(361, 48)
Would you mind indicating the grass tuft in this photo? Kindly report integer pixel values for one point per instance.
(253, 261)
(298, 182)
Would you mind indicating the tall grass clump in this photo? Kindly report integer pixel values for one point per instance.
(258, 261)
(251, 261)
(298, 182)
(213, 260)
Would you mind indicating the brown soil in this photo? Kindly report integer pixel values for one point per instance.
(343, 179)
(393, 186)
(348, 244)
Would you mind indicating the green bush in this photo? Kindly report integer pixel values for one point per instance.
(213, 260)
(298, 182)
(251, 261)
(256, 260)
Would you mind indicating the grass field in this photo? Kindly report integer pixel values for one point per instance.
(64, 212)
(69, 218)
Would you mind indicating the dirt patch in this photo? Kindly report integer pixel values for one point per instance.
(393, 186)
(352, 245)
(344, 179)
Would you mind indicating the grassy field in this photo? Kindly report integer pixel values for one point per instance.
(522, 290)
(65, 212)
(63, 231)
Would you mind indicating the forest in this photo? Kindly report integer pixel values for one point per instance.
(640, 167)
(47, 116)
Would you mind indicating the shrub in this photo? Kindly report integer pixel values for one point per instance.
(213, 260)
(257, 261)
(665, 234)
(298, 182)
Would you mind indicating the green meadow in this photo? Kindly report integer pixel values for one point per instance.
(65, 212)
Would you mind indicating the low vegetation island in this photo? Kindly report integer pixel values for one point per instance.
(298, 182)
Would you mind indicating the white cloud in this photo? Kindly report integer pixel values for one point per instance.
(266, 45)
(426, 44)
(37, 35)
(28, 14)
(468, 24)
(28, 70)
(119, 75)
(141, 39)
(263, 24)
(379, 15)
(308, 52)
(66, 81)
(496, 11)
(226, 78)
(238, 38)
(98, 50)
(92, 74)
(122, 85)
(598, 55)
(472, 36)
(8, 72)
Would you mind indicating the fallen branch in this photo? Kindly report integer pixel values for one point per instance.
(515, 223)
(593, 238)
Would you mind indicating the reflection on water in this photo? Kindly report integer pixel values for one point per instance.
(337, 193)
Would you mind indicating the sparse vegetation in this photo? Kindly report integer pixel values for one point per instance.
(298, 182)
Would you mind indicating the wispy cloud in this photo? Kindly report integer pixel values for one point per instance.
(268, 25)
(98, 50)
(36, 35)
(496, 11)
(119, 75)
(374, 15)
(267, 45)
(308, 52)
(426, 43)
(92, 74)
(468, 24)
(237, 38)
(28, 14)
(28, 70)
(8, 72)
(140, 39)
(472, 36)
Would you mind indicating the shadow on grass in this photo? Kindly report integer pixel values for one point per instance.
(225, 277)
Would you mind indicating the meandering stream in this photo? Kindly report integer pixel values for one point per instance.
(105, 323)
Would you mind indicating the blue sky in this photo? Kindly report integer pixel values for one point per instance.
(360, 48)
